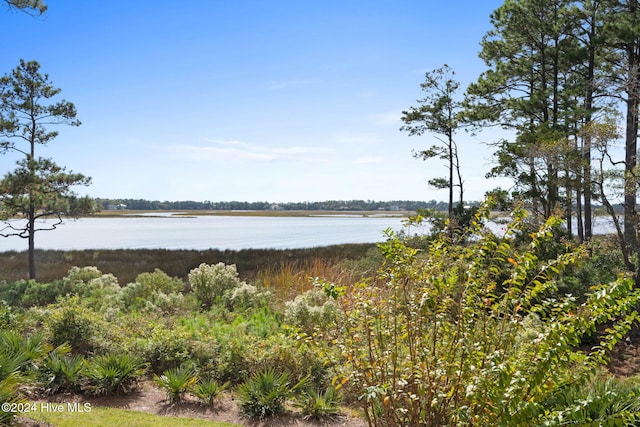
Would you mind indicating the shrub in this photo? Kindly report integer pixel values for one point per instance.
(265, 393)
(80, 275)
(7, 317)
(177, 382)
(153, 291)
(316, 404)
(113, 374)
(604, 400)
(436, 337)
(210, 282)
(12, 293)
(158, 281)
(39, 294)
(62, 372)
(74, 324)
(312, 310)
(165, 348)
(247, 296)
(208, 390)
(298, 357)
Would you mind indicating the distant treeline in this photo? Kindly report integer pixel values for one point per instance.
(334, 205)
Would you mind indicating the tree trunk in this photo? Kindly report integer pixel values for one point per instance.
(631, 147)
(32, 246)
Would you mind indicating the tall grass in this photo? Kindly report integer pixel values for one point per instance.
(127, 264)
(294, 277)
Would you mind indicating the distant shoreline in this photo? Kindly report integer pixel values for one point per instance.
(267, 213)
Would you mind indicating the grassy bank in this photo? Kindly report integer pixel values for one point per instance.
(126, 264)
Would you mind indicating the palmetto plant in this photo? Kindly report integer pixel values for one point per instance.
(113, 373)
(316, 404)
(208, 390)
(177, 382)
(265, 393)
(19, 357)
(62, 372)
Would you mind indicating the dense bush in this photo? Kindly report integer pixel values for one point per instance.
(213, 283)
(154, 291)
(72, 323)
(440, 337)
(247, 296)
(312, 310)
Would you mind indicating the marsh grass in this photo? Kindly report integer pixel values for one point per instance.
(127, 264)
(294, 277)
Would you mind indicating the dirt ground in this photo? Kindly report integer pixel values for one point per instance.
(149, 398)
(625, 358)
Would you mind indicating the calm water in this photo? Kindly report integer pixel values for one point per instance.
(208, 232)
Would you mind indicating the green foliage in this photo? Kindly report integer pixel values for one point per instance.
(208, 390)
(39, 294)
(159, 281)
(113, 374)
(246, 296)
(177, 382)
(12, 293)
(439, 222)
(165, 347)
(316, 404)
(62, 372)
(78, 276)
(19, 358)
(9, 394)
(154, 291)
(74, 324)
(210, 283)
(440, 338)
(312, 310)
(600, 401)
(7, 317)
(265, 393)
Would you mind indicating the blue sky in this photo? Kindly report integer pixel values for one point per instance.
(276, 100)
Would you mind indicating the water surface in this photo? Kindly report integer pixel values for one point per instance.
(208, 232)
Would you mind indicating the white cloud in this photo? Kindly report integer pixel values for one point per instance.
(356, 139)
(239, 150)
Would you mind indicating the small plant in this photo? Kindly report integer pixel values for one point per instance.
(177, 382)
(265, 394)
(62, 372)
(316, 404)
(207, 391)
(113, 374)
